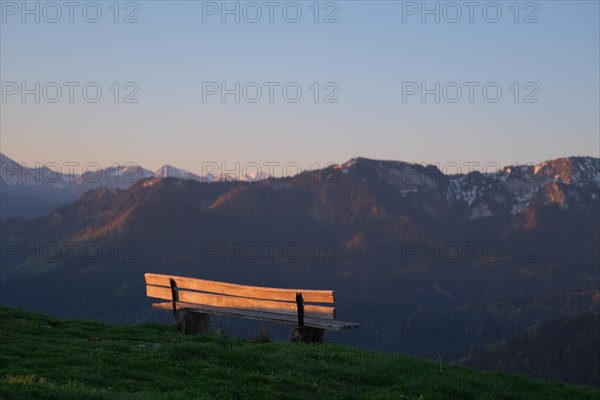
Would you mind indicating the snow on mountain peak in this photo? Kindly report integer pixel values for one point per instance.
(169, 171)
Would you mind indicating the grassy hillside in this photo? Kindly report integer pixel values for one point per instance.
(46, 358)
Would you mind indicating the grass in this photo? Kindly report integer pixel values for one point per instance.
(44, 357)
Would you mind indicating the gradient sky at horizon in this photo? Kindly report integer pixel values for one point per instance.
(369, 53)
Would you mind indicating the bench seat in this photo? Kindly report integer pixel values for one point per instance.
(330, 325)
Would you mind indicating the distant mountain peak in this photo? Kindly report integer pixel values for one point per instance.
(169, 171)
(570, 169)
(5, 160)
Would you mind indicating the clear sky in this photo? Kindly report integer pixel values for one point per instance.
(373, 57)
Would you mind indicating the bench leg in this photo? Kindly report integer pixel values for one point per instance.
(307, 334)
(192, 323)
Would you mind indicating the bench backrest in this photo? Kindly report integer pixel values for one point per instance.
(243, 297)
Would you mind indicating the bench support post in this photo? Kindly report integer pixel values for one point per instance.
(308, 334)
(192, 323)
(188, 322)
(300, 307)
(174, 296)
(304, 333)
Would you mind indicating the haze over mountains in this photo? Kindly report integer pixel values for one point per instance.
(33, 191)
(427, 262)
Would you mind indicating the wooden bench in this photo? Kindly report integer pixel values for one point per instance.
(193, 300)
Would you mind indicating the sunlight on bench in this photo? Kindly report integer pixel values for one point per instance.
(192, 301)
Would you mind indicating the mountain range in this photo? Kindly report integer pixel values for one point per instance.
(31, 192)
(426, 262)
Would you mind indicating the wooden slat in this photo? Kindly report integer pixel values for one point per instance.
(261, 316)
(232, 289)
(280, 307)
